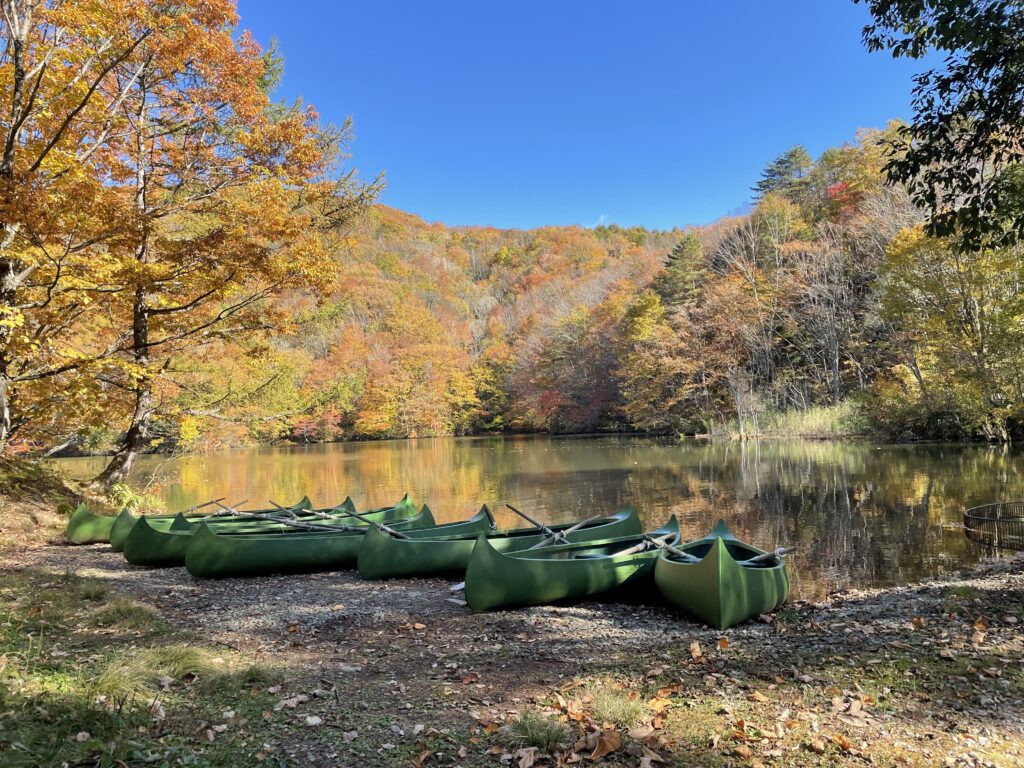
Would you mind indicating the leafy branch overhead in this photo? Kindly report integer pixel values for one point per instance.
(961, 155)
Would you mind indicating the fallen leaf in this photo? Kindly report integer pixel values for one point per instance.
(526, 757)
(461, 753)
(842, 742)
(659, 704)
(607, 742)
(817, 746)
(82, 736)
(574, 709)
(695, 651)
(421, 758)
(472, 677)
(313, 720)
(757, 696)
(723, 643)
(917, 622)
(743, 751)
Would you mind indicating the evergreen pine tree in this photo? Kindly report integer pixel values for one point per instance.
(678, 283)
(786, 174)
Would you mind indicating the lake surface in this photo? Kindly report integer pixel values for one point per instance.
(860, 514)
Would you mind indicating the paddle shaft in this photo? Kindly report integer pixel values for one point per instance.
(228, 511)
(674, 551)
(561, 535)
(778, 553)
(537, 523)
(380, 526)
(196, 507)
(490, 518)
(648, 540)
(294, 524)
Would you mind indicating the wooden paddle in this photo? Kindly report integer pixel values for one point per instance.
(231, 510)
(380, 526)
(196, 507)
(779, 553)
(674, 551)
(648, 540)
(293, 523)
(490, 518)
(536, 523)
(561, 535)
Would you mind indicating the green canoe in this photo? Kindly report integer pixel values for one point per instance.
(153, 547)
(86, 527)
(385, 557)
(720, 590)
(216, 556)
(244, 522)
(124, 522)
(563, 572)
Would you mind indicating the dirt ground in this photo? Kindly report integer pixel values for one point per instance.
(403, 673)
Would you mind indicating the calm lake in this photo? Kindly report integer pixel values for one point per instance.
(861, 514)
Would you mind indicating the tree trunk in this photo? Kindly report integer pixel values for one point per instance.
(138, 431)
(134, 441)
(8, 295)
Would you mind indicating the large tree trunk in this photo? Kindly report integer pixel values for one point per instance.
(138, 431)
(134, 441)
(8, 294)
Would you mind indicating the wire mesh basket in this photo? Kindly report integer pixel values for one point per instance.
(996, 525)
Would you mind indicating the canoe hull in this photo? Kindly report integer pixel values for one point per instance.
(155, 548)
(718, 591)
(85, 527)
(210, 555)
(385, 557)
(123, 525)
(126, 520)
(496, 580)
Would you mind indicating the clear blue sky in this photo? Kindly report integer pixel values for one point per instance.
(518, 114)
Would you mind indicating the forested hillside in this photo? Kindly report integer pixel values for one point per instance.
(825, 310)
(811, 300)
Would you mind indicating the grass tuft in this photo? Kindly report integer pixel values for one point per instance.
(533, 729)
(127, 613)
(138, 675)
(623, 708)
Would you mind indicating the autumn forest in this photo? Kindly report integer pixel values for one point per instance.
(186, 263)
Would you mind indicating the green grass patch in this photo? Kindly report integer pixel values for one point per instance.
(71, 694)
(623, 708)
(127, 613)
(534, 729)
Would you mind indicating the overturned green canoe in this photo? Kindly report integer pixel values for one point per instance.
(159, 548)
(385, 557)
(126, 520)
(563, 572)
(218, 556)
(721, 590)
(85, 527)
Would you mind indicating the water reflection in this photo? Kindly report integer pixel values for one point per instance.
(861, 514)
